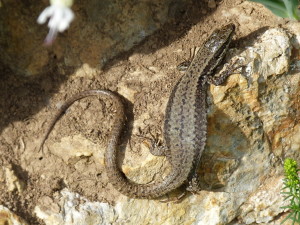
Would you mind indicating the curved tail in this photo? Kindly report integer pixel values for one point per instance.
(116, 177)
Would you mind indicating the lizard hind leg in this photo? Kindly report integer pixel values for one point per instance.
(156, 147)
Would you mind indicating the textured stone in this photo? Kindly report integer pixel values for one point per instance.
(74, 210)
(75, 147)
(12, 182)
(264, 204)
(9, 218)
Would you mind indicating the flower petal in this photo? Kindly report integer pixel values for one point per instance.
(45, 15)
(60, 16)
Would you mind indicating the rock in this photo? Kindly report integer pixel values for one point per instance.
(252, 124)
(75, 146)
(9, 218)
(264, 203)
(13, 183)
(74, 210)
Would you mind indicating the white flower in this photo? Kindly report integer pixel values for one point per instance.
(60, 17)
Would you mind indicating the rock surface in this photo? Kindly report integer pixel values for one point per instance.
(241, 168)
(9, 218)
(253, 118)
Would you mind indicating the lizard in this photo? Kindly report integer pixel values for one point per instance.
(185, 123)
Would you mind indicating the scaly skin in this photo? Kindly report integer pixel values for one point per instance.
(184, 127)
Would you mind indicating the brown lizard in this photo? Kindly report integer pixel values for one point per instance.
(185, 124)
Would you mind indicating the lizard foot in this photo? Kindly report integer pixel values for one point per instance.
(156, 148)
(194, 185)
(230, 69)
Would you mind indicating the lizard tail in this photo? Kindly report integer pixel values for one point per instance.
(116, 176)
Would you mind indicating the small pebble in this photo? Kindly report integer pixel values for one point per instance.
(211, 4)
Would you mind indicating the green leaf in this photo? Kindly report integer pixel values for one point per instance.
(287, 197)
(282, 8)
(286, 218)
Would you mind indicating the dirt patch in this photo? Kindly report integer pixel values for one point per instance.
(144, 79)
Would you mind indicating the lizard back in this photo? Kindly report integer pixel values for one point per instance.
(185, 122)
